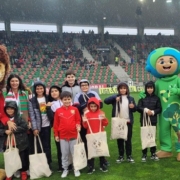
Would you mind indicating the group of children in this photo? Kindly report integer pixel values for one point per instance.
(67, 110)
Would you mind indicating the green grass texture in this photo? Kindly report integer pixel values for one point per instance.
(164, 169)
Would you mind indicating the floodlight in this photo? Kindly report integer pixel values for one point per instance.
(168, 1)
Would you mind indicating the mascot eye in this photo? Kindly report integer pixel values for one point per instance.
(161, 62)
(171, 61)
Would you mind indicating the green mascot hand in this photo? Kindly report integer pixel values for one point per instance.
(142, 95)
(174, 91)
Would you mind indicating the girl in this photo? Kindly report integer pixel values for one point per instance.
(20, 133)
(55, 103)
(126, 107)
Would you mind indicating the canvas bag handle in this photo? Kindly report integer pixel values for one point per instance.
(90, 126)
(35, 144)
(146, 120)
(79, 140)
(117, 114)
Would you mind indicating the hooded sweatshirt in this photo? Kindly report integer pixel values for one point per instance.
(95, 120)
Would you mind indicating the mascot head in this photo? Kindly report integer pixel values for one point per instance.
(163, 62)
(4, 65)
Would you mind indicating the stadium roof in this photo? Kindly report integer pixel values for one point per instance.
(91, 12)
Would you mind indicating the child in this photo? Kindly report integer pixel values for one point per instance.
(20, 133)
(71, 84)
(40, 121)
(126, 109)
(55, 103)
(96, 118)
(66, 124)
(152, 106)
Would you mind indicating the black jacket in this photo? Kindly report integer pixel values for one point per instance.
(151, 102)
(22, 127)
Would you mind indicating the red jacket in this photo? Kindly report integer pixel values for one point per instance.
(65, 121)
(3, 116)
(94, 118)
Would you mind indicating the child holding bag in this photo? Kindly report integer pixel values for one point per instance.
(126, 107)
(21, 137)
(66, 126)
(95, 118)
(152, 106)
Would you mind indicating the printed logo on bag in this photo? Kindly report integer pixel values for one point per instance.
(120, 127)
(97, 145)
(149, 135)
(72, 111)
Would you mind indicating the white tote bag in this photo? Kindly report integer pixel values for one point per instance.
(97, 143)
(119, 129)
(12, 159)
(38, 163)
(148, 133)
(79, 157)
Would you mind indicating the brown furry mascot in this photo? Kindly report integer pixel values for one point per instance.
(4, 70)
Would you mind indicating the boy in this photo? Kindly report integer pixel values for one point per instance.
(126, 106)
(96, 118)
(152, 106)
(39, 119)
(71, 84)
(20, 134)
(66, 125)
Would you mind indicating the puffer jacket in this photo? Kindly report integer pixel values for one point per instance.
(22, 127)
(152, 102)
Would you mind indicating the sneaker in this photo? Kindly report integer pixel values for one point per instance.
(77, 173)
(130, 159)
(120, 159)
(90, 170)
(144, 156)
(65, 173)
(103, 168)
(154, 157)
(17, 174)
(106, 163)
(24, 175)
(28, 173)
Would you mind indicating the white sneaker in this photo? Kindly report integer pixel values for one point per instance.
(77, 173)
(65, 173)
(28, 173)
(17, 174)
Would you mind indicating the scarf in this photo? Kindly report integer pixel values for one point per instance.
(21, 100)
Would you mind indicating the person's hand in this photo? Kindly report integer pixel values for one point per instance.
(149, 113)
(118, 99)
(142, 95)
(11, 125)
(8, 132)
(36, 132)
(102, 116)
(49, 104)
(57, 139)
(173, 91)
(29, 125)
(78, 127)
(84, 118)
(131, 105)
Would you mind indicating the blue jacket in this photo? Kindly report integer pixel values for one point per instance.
(112, 100)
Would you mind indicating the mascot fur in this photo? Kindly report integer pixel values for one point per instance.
(4, 70)
(164, 64)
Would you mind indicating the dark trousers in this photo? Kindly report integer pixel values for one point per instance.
(91, 162)
(83, 133)
(152, 149)
(31, 142)
(128, 144)
(59, 154)
(24, 156)
(45, 136)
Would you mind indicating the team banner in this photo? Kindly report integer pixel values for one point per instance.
(113, 90)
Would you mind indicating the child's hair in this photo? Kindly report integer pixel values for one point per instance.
(69, 72)
(50, 98)
(123, 84)
(65, 94)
